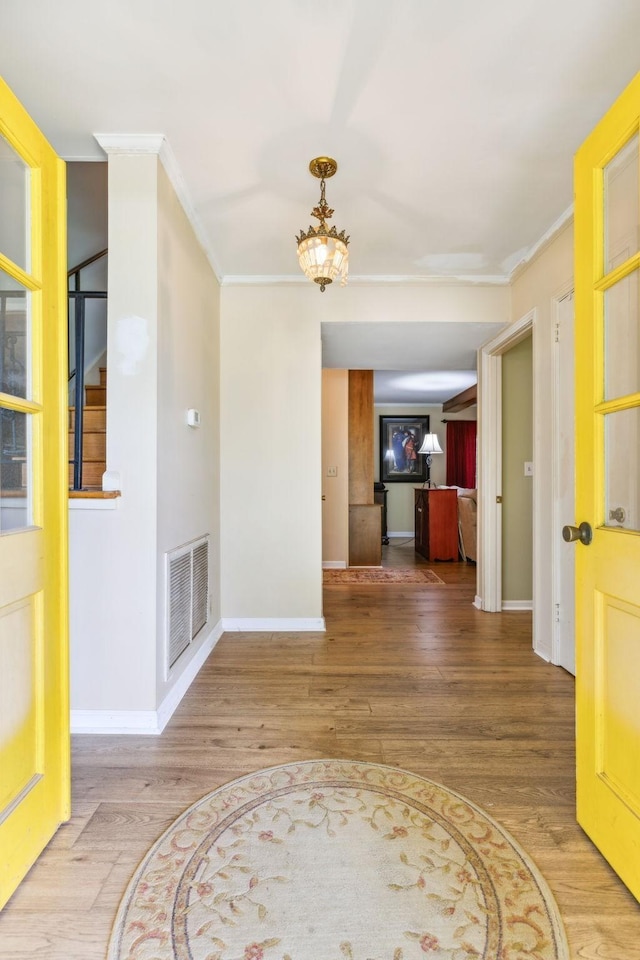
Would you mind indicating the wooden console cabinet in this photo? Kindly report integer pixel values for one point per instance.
(436, 519)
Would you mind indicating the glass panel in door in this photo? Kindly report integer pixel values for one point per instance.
(15, 333)
(621, 206)
(15, 184)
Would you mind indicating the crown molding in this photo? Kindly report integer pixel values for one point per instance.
(239, 280)
(443, 280)
(124, 144)
(116, 144)
(556, 228)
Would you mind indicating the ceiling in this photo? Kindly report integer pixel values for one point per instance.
(414, 363)
(454, 124)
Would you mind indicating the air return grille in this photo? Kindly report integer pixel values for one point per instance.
(187, 596)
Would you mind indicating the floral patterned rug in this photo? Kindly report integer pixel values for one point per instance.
(336, 860)
(380, 575)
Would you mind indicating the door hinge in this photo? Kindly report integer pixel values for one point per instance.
(557, 331)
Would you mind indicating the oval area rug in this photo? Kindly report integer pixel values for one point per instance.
(336, 860)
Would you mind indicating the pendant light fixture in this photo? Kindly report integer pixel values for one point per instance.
(322, 251)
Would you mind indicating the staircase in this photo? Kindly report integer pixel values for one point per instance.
(94, 434)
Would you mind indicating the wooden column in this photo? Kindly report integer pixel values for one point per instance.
(364, 515)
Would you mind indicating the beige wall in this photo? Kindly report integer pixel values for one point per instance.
(335, 467)
(517, 490)
(400, 496)
(188, 377)
(270, 455)
(436, 301)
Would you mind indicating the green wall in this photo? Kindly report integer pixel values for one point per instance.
(517, 490)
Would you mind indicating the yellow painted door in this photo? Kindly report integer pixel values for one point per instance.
(607, 349)
(34, 702)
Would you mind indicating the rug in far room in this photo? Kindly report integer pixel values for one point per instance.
(380, 575)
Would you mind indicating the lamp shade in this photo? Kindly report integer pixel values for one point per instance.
(323, 258)
(430, 444)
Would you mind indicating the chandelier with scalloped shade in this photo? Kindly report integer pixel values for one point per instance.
(322, 251)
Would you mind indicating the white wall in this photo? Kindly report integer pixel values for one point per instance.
(113, 553)
(162, 357)
(270, 454)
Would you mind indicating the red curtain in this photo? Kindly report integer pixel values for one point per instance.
(461, 453)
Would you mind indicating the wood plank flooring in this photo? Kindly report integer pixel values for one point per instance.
(407, 675)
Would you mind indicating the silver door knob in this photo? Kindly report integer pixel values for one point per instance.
(583, 533)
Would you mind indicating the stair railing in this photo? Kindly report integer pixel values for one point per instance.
(79, 298)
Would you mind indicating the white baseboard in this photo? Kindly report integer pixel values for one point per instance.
(273, 624)
(334, 564)
(176, 693)
(517, 604)
(404, 534)
(477, 602)
(544, 655)
(115, 721)
(146, 722)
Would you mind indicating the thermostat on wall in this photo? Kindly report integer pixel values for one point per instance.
(193, 418)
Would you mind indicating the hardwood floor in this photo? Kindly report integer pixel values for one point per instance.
(406, 675)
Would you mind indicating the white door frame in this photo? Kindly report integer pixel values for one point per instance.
(558, 559)
(489, 572)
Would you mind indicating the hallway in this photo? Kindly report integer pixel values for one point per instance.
(408, 675)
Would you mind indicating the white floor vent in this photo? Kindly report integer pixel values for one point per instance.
(187, 596)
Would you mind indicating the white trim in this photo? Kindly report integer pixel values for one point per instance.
(477, 602)
(273, 624)
(176, 693)
(557, 520)
(460, 280)
(115, 721)
(147, 722)
(517, 604)
(489, 513)
(334, 564)
(125, 144)
(94, 158)
(547, 237)
(489, 566)
(91, 503)
(402, 534)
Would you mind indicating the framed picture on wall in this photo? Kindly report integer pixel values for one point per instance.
(400, 440)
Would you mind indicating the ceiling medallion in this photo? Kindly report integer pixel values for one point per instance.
(322, 251)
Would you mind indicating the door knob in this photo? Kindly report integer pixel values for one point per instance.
(583, 533)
